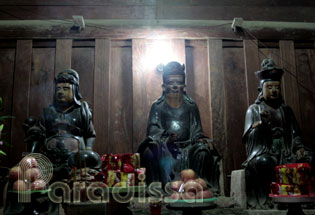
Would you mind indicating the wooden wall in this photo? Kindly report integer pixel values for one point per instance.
(120, 88)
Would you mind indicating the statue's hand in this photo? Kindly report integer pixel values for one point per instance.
(172, 138)
(206, 141)
(265, 116)
(300, 153)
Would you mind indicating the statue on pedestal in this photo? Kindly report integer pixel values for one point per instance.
(272, 137)
(175, 140)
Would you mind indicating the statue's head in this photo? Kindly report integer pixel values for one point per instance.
(67, 88)
(174, 79)
(270, 80)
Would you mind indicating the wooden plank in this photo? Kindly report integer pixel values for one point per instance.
(20, 105)
(198, 82)
(217, 102)
(37, 12)
(274, 3)
(272, 53)
(305, 65)
(101, 95)
(252, 13)
(6, 87)
(290, 78)
(63, 55)
(235, 106)
(42, 80)
(251, 58)
(82, 61)
(128, 29)
(147, 80)
(77, 2)
(291, 3)
(120, 111)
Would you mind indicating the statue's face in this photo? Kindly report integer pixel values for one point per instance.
(272, 90)
(174, 85)
(64, 93)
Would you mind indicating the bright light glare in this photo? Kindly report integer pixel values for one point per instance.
(159, 52)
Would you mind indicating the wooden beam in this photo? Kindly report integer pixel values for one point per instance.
(290, 79)
(21, 89)
(126, 29)
(251, 58)
(101, 94)
(63, 55)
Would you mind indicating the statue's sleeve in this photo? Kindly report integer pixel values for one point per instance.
(155, 131)
(297, 141)
(89, 131)
(258, 139)
(196, 131)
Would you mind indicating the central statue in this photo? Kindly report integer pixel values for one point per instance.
(175, 140)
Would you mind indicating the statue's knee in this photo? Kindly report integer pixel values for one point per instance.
(263, 163)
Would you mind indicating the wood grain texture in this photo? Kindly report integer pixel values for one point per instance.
(42, 80)
(305, 65)
(101, 95)
(290, 3)
(77, 2)
(6, 87)
(138, 28)
(290, 91)
(198, 83)
(60, 12)
(63, 55)
(251, 13)
(20, 105)
(147, 80)
(120, 111)
(236, 106)
(217, 103)
(251, 63)
(217, 95)
(82, 61)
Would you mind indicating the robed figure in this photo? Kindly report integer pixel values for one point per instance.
(271, 135)
(175, 139)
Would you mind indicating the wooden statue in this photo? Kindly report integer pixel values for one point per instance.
(175, 140)
(272, 136)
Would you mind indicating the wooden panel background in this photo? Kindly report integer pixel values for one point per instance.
(120, 87)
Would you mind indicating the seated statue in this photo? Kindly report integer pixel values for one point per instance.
(272, 137)
(175, 140)
(64, 128)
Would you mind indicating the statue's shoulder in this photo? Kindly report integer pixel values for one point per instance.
(159, 101)
(189, 100)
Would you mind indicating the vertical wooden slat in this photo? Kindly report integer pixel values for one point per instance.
(290, 78)
(82, 60)
(217, 98)
(42, 80)
(20, 106)
(198, 82)
(63, 55)
(140, 101)
(101, 95)
(6, 87)
(251, 58)
(236, 106)
(305, 66)
(120, 99)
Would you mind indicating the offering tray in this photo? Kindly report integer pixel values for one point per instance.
(294, 202)
(190, 206)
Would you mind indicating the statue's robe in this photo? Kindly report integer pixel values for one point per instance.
(164, 161)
